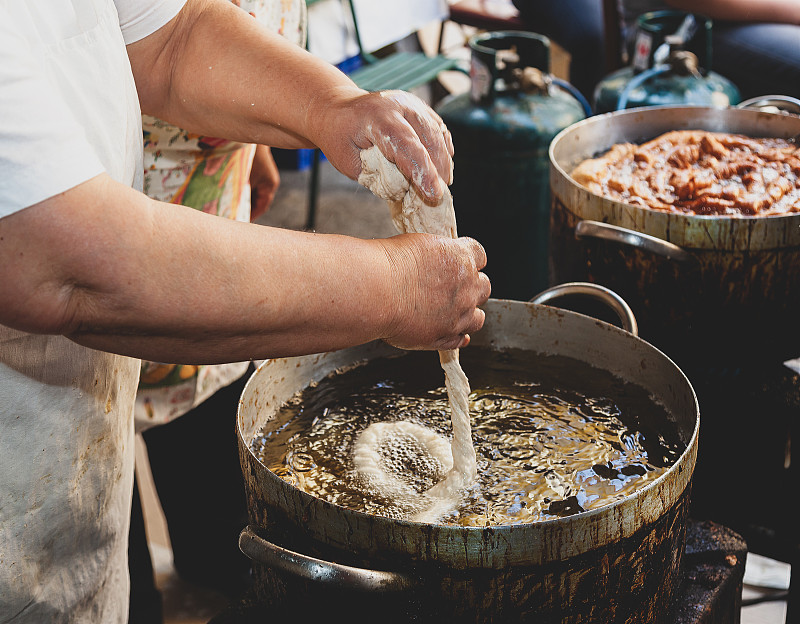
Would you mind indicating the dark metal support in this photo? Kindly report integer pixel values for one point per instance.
(313, 190)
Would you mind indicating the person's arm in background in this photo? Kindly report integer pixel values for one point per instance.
(777, 11)
(265, 178)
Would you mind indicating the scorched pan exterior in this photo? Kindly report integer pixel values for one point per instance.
(701, 287)
(616, 564)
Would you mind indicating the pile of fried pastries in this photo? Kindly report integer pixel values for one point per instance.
(699, 172)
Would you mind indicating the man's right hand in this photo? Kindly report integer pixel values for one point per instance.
(437, 287)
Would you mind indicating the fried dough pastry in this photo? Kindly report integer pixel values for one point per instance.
(699, 172)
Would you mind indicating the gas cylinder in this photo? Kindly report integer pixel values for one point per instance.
(672, 50)
(502, 129)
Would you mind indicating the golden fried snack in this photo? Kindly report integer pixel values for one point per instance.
(699, 172)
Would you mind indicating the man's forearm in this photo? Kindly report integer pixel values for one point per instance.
(215, 70)
(116, 271)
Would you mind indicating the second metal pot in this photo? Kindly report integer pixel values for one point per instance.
(619, 563)
(700, 286)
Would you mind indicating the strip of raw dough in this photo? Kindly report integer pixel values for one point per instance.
(411, 214)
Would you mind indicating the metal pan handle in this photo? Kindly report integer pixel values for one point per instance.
(780, 103)
(318, 570)
(618, 234)
(601, 293)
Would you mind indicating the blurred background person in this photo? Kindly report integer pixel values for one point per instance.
(756, 43)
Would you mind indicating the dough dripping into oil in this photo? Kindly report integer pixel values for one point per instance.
(411, 214)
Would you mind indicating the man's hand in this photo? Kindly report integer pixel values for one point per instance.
(408, 132)
(437, 286)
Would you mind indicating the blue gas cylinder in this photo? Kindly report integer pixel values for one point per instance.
(671, 50)
(502, 130)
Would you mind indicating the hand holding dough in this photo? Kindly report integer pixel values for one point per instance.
(345, 122)
(409, 211)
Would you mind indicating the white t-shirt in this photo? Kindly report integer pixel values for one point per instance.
(68, 111)
(49, 140)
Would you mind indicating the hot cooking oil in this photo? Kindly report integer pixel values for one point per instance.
(553, 437)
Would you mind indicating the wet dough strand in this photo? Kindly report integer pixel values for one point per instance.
(411, 214)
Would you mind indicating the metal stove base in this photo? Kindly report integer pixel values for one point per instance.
(710, 591)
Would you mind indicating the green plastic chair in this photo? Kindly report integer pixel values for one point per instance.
(398, 70)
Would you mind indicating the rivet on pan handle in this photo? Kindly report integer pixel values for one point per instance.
(601, 293)
(617, 234)
(318, 570)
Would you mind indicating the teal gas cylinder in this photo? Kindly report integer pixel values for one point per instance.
(670, 51)
(502, 130)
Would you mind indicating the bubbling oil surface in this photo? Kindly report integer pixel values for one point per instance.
(553, 436)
